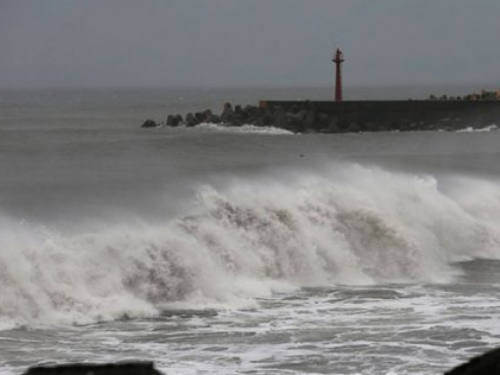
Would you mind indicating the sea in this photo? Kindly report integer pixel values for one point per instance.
(245, 250)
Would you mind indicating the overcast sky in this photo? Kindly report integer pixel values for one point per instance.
(54, 43)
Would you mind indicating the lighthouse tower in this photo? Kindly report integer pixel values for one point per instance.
(338, 59)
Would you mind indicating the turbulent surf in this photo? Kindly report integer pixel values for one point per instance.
(239, 251)
(352, 225)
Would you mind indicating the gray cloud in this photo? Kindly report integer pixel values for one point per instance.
(231, 42)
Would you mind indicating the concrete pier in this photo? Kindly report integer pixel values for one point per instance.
(396, 115)
(349, 116)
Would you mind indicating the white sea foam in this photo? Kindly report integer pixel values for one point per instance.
(244, 129)
(352, 225)
(470, 129)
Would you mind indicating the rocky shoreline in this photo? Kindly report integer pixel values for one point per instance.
(346, 117)
(248, 115)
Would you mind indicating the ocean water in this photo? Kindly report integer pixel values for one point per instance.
(240, 251)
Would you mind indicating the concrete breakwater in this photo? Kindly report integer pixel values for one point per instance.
(349, 116)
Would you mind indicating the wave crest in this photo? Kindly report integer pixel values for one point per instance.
(244, 129)
(354, 225)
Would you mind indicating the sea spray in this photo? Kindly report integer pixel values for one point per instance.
(243, 129)
(350, 225)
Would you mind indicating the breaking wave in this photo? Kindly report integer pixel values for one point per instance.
(354, 225)
(470, 129)
(244, 129)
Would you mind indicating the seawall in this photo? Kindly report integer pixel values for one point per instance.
(349, 116)
(394, 115)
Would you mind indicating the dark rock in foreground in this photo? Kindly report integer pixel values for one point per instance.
(350, 116)
(124, 368)
(486, 364)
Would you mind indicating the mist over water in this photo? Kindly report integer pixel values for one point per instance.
(250, 250)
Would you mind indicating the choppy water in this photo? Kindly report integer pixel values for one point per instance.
(251, 251)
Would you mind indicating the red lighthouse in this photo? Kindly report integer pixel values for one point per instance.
(338, 59)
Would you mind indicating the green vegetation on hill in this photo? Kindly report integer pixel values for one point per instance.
(484, 95)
